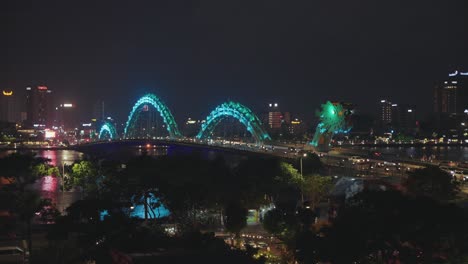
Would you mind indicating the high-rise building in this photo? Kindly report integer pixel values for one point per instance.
(297, 127)
(451, 100)
(99, 111)
(39, 107)
(66, 116)
(406, 120)
(386, 112)
(274, 116)
(9, 107)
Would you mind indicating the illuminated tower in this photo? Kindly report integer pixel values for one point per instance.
(9, 108)
(385, 112)
(39, 107)
(67, 116)
(451, 100)
(274, 116)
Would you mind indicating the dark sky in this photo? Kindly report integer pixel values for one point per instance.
(195, 56)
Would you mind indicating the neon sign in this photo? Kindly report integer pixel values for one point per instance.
(7, 93)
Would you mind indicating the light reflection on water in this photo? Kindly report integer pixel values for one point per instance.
(48, 186)
(453, 153)
(49, 183)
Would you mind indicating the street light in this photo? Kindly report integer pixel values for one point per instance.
(63, 174)
(302, 178)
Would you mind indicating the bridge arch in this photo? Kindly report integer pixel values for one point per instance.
(239, 112)
(153, 100)
(108, 128)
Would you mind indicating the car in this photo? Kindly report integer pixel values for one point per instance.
(356, 159)
(458, 174)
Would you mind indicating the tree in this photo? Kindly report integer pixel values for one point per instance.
(84, 174)
(431, 182)
(316, 187)
(282, 224)
(384, 226)
(236, 218)
(22, 170)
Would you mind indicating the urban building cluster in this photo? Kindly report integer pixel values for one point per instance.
(33, 116)
(447, 122)
(280, 125)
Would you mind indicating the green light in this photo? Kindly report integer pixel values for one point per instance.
(153, 100)
(107, 128)
(332, 121)
(239, 112)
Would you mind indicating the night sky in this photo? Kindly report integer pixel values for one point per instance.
(197, 54)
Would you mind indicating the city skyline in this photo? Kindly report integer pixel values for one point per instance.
(86, 114)
(197, 56)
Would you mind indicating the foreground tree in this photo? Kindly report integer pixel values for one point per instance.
(236, 218)
(316, 188)
(387, 226)
(432, 182)
(22, 170)
(84, 174)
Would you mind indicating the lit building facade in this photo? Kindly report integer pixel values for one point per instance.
(274, 116)
(66, 116)
(451, 101)
(386, 112)
(39, 107)
(9, 107)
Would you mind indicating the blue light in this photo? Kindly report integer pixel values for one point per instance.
(138, 210)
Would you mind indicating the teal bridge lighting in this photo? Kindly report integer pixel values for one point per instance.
(332, 121)
(153, 100)
(107, 128)
(239, 112)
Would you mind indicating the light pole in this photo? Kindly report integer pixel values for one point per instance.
(302, 178)
(63, 176)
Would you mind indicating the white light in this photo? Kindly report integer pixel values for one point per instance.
(410, 110)
(383, 101)
(454, 82)
(464, 73)
(67, 105)
(453, 74)
(87, 125)
(276, 105)
(270, 105)
(394, 105)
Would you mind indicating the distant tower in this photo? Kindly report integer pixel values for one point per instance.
(274, 116)
(39, 106)
(385, 112)
(9, 107)
(451, 100)
(99, 112)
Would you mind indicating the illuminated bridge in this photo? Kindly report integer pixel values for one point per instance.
(332, 122)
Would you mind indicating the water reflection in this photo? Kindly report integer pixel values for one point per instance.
(453, 153)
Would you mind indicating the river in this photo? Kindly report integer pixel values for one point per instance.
(452, 153)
